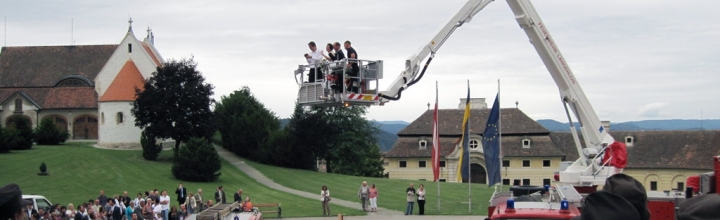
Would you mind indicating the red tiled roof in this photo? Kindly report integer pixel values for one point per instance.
(44, 66)
(150, 52)
(56, 98)
(123, 87)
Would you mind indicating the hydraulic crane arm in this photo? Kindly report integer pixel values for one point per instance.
(571, 94)
(412, 73)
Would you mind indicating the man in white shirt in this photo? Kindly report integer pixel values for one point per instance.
(165, 202)
(314, 58)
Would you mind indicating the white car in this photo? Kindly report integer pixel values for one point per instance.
(39, 202)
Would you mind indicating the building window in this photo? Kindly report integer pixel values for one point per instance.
(474, 144)
(423, 144)
(18, 105)
(442, 180)
(546, 182)
(629, 141)
(516, 182)
(506, 163)
(442, 163)
(680, 186)
(546, 163)
(526, 182)
(526, 143)
(422, 164)
(526, 163)
(102, 118)
(402, 164)
(129, 48)
(653, 185)
(506, 182)
(72, 82)
(119, 118)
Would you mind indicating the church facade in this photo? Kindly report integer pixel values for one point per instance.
(86, 90)
(661, 160)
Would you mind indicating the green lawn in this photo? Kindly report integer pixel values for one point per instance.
(78, 172)
(391, 192)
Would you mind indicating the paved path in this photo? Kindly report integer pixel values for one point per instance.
(255, 174)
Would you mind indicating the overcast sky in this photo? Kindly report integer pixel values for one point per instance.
(635, 60)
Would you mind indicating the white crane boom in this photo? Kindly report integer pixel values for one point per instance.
(412, 64)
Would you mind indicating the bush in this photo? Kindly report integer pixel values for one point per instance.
(197, 161)
(49, 134)
(6, 137)
(23, 138)
(151, 150)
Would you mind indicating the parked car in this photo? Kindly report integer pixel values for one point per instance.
(39, 202)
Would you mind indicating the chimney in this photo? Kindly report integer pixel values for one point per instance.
(606, 125)
(475, 103)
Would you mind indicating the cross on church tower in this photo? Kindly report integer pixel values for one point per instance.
(148, 32)
(130, 21)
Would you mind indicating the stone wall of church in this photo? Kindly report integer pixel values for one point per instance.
(8, 110)
(117, 126)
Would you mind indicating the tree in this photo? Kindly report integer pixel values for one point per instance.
(22, 134)
(245, 124)
(49, 134)
(197, 160)
(341, 136)
(175, 103)
(151, 150)
(6, 137)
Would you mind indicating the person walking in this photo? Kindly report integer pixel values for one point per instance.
(325, 200)
(421, 199)
(373, 198)
(363, 194)
(410, 192)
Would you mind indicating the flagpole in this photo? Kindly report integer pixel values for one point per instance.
(500, 133)
(468, 163)
(437, 141)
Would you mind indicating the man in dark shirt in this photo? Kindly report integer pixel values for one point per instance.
(182, 194)
(103, 199)
(352, 54)
(238, 196)
(116, 214)
(339, 55)
(220, 195)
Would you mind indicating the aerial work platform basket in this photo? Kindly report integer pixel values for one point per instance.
(344, 82)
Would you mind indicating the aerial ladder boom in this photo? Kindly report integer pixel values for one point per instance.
(412, 73)
(571, 94)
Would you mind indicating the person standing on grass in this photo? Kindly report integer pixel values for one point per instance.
(238, 196)
(199, 200)
(421, 199)
(165, 202)
(325, 200)
(373, 198)
(410, 192)
(191, 203)
(139, 209)
(102, 198)
(363, 194)
(182, 193)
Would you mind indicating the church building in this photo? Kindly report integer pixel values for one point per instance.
(86, 90)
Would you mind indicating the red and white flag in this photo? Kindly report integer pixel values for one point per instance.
(436, 141)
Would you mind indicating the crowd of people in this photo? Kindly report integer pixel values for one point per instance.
(150, 205)
(368, 198)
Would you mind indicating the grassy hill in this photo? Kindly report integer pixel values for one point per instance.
(78, 172)
(391, 192)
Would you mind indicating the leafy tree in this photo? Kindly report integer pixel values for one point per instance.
(23, 134)
(49, 134)
(151, 150)
(197, 161)
(175, 103)
(341, 136)
(245, 124)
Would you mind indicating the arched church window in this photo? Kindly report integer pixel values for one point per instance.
(120, 118)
